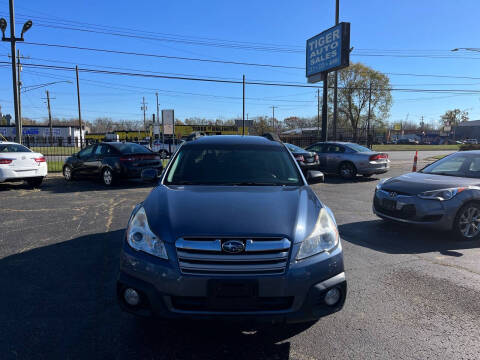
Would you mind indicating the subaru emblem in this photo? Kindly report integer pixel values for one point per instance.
(233, 246)
(393, 194)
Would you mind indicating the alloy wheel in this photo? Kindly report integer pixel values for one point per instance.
(67, 173)
(107, 177)
(469, 222)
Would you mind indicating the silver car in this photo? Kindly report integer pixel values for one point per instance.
(445, 195)
(349, 159)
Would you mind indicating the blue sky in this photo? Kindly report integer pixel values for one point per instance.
(413, 28)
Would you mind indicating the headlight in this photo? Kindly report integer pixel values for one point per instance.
(140, 237)
(324, 237)
(442, 195)
(381, 182)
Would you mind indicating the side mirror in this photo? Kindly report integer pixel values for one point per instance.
(314, 177)
(149, 175)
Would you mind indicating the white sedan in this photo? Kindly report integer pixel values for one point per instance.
(18, 162)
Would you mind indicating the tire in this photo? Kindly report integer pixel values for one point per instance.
(467, 222)
(108, 178)
(67, 173)
(347, 170)
(35, 182)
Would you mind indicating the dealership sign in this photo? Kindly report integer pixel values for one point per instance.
(168, 121)
(328, 51)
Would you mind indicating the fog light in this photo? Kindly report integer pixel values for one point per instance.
(332, 296)
(132, 297)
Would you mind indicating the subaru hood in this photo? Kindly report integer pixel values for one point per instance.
(257, 211)
(416, 183)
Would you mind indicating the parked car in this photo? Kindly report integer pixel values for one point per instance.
(167, 148)
(232, 231)
(444, 195)
(407, 141)
(349, 159)
(19, 163)
(308, 160)
(111, 161)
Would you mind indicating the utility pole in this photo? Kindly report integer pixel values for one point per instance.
(335, 80)
(318, 113)
(324, 108)
(273, 118)
(369, 114)
(19, 84)
(144, 108)
(12, 39)
(50, 118)
(79, 107)
(243, 114)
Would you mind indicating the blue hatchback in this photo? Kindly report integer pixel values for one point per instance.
(233, 231)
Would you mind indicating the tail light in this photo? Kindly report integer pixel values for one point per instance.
(299, 158)
(316, 157)
(39, 159)
(127, 158)
(5, 161)
(378, 157)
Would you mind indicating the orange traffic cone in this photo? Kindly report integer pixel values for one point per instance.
(415, 159)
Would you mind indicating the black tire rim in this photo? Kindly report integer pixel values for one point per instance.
(346, 171)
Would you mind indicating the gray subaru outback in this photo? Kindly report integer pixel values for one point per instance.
(233, 231)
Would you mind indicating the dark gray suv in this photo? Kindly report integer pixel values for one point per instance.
(232, 231)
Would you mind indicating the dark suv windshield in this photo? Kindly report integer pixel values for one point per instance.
(233, 165)
(459, 164)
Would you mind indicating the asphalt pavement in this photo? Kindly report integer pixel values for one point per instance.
(412, 294)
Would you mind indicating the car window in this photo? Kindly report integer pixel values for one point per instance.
(131, 148)
(294, 148)
(358, 148)
(99, 150)
(11, 148)
(333, 148)
(455, 165)
(85, 153)
(317, 148)
(233, 165)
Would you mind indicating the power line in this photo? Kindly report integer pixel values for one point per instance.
(162, 56)
(138, 74)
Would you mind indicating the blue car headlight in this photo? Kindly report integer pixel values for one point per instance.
(324, 237)
(441, 195)
(141, 238)
(381, 182)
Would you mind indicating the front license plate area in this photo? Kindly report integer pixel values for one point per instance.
(232, 288)
(389, 204)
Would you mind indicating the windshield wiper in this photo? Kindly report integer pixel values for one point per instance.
(253, 183)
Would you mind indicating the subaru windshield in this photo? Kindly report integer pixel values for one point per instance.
(232, 165)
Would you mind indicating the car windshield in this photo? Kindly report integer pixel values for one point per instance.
(358, 148)
(11, 148)
(233, 165)
(294, 148)
(459, 164)
(131, 148)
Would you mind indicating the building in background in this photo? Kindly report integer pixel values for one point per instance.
(467, 130)
(62, 135)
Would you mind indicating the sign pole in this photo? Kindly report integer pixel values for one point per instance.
(335, 83)
(324, 108)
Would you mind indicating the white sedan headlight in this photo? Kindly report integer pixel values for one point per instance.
(324, 237)
(441, 195)
(140, 237)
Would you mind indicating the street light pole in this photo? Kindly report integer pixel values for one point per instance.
(12, 39)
